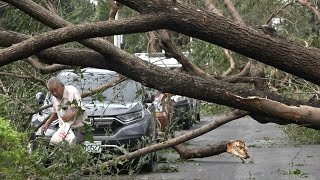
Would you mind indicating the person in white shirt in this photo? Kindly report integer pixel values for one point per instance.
(67, 107)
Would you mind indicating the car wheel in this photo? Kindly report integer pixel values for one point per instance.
(198, 117)
(149, 166)
(187, 124)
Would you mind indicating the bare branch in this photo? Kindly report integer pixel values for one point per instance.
(245, 70)
(33, 78)
(311, 7)
(233, 12)
(51, 7)
(277, 12)
(153, 42)
(231, 61)
(4, 89)
(172, 51)
(256, 68)
(46, 69)
(240, 77)
(103, 87)
(211, 7)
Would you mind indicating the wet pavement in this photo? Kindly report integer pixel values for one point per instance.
(272, 157)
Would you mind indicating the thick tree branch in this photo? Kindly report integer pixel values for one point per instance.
(185, 19)
(220, 120)
(306, 115)
(71, 33)
(233, 12)
(187, 22)
(174, 82)
(236, 148)
(208, 4)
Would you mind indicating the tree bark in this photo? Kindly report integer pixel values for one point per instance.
(274, 51)
(236, 148)
(180, 83)
(166, 81)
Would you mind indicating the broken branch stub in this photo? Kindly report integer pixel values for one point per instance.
(302, 114)
(235, 147)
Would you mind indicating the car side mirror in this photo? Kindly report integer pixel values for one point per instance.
(40, 97)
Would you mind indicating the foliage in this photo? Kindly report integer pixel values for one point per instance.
(15, 163)
(101, 11)
(76, 11)
(54, 162)
(19, 97)
(302, 135)
(15, 20)
(209, 57)
(211, 108)
(10, 138)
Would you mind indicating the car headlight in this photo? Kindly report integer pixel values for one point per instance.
(131, 117)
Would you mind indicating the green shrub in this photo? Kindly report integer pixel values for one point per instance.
(17, 163)
(12, 153)
(302, 135)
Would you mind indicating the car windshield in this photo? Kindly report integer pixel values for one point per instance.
(127, 90)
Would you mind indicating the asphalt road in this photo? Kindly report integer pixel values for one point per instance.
(272, 157)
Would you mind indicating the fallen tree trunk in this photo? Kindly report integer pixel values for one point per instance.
(173, 82)
(236, 148)
(224, 93)
(220, 120)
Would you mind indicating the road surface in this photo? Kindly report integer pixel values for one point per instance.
(272, 157)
